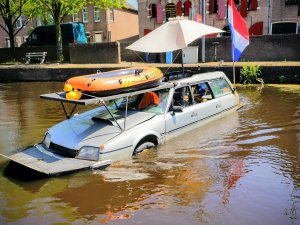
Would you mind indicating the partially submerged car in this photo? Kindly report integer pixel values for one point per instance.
(126, 124)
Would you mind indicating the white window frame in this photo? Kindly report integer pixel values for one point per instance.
(98, 32)
(7, 42)
(24, 39)
(85, 15)
(111, 15)
(96, 11)
(75, 17)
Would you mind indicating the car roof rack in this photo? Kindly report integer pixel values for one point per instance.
(90, 99)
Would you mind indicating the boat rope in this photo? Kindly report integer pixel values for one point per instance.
(139, 56)
(172, 62)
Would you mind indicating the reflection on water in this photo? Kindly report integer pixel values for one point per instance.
(242, 169)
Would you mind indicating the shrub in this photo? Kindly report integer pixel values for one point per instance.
(250, 74)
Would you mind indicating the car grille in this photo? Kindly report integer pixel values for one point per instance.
(63, 151)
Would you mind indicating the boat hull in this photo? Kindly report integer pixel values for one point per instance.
(117, 81)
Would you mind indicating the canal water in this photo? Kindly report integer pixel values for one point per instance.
(242, 169)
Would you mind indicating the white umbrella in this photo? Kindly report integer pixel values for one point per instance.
(173, 35)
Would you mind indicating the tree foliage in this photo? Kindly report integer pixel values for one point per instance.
(10, 12)
(59, 9)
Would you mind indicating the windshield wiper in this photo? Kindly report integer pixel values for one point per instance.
(108, 121)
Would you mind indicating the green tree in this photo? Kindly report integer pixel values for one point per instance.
(59, 9)
(12, 12)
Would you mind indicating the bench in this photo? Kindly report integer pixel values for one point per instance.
(36, 56)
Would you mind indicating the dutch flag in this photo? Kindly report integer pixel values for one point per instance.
(239, 31)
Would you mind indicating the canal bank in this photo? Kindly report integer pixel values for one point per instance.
(271, 72)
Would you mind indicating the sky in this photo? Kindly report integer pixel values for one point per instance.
(133, 3)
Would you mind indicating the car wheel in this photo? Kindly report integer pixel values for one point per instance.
(141, 147)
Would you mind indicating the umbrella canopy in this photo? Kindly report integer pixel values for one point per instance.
(173, 35)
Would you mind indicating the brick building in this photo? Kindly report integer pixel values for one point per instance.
(262, 16)
(100, 25)
(108, 25)
(21, 36)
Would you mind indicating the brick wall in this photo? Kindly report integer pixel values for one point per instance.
(6, 54)
(261, 48)
(280, 12)
(20, 38)
(108, 52)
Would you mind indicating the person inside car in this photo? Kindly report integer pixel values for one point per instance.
(149, 98)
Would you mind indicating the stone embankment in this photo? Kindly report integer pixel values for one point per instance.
(272, 72)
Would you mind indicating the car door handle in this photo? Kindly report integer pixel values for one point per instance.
(194, 114)
(218, 106)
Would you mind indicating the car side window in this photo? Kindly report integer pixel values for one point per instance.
(182, 97)
(201, 92)
(155, 102)
(220, 87)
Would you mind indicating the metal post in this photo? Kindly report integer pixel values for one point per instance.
(233, 65)
(270, 17)
(203, 37)
(126, 111)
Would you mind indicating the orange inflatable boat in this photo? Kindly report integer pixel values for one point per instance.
(113, 82)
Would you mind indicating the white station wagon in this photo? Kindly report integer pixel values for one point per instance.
(126, 124)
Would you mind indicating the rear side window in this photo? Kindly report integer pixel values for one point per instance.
(220, 87)
(201, 92)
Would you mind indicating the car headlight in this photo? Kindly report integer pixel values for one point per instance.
(89, 153)
(47, 140)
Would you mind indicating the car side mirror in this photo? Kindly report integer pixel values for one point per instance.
(234, 89)
(177, 109)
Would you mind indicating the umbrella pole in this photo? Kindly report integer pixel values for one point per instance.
(182, 67)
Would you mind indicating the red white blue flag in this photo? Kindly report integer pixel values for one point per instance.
(239, 31)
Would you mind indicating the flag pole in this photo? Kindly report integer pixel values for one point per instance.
(233, 65)
(233, 68)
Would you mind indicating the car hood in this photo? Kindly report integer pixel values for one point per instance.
(91, 131)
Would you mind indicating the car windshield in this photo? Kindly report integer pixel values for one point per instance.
(149, 102)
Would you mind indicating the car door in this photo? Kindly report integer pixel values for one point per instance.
(180, 122)
(204, 100)
(223, 93)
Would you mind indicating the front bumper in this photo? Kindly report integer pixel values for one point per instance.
(40, 159)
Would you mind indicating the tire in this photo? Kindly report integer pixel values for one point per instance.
(141, 147)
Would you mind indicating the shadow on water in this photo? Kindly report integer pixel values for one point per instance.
(21, 173)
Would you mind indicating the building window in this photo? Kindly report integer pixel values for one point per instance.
(284, 28)
(85, 15)
(96, 14)
(111, 15)
(18, 41)
(20, 22)
(7, 42)
(291, 2)
(75, 17)
(252, 5)
(98, 36)
(88, 36)
(24, 38)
